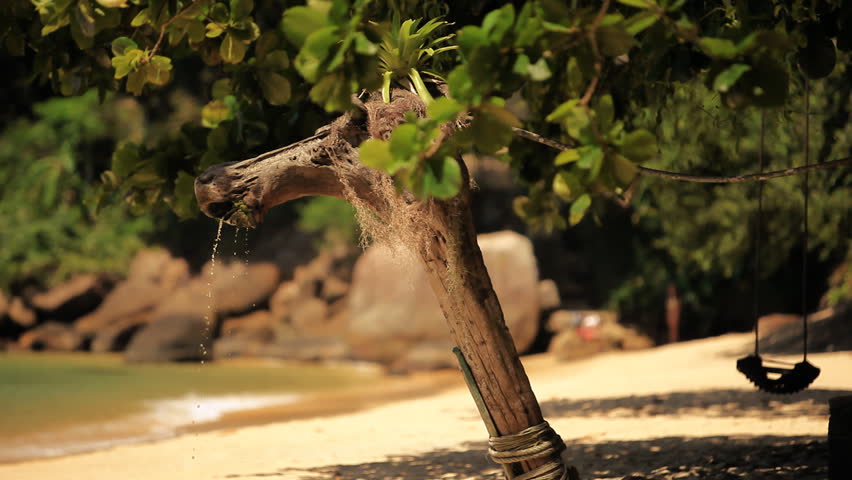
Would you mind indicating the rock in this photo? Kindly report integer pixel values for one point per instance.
(308, 315)
(127, 299)
(72, 299)
(238, 287)
(548, 294)
(309, 348)
(257, 321)
(426, 356)
(21, 314)
(243, 344)
(392, 308)
(52, 336)
(156, 265)
(169, 338)
(568, 319)
(4, 304)
(568, 345)
(154, 274)
(116, 336)
(774, 321)
(334, 289)
(286, 294)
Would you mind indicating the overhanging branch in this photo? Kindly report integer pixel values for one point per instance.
(685, 177)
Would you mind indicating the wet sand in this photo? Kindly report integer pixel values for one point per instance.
(674, 412)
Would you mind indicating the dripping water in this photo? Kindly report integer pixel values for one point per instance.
(208, 316)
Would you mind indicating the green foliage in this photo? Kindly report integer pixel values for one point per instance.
(48, 233)
(331, 217)
(624, 86)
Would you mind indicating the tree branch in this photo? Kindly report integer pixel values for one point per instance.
(685, 177)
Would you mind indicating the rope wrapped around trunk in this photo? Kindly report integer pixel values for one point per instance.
(534, 442)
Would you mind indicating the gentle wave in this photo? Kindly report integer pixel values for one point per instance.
(161, 419)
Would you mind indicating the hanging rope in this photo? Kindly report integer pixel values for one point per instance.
(805, 193)
(538, 441)
(766, 376)
(757, 229)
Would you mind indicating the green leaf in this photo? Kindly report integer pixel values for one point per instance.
(614, 40)
(539, 71)
(729, 76)
(241, 9)
(214, 113)
(498, 22)
(639, 3)
(567, 156)
(141, 18)
(265, 44)
(222, 88)
(579, 208)
(566, 185)
(589, 156)
(718, 47)
(641, 21)
(299, 22)
(604, 112)
(136, 82)
(232, 50)
(85, 18)
(121, 44)
(125, 159)
(444, 110)
(276, 60)
(219, 14)
(639, 146)
(183, 202)
(403, 142)
(276, 87)
(214, 30)
(623, 169)
(443, 181)
(376, 154)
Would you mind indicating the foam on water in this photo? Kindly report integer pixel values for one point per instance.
(161, 419)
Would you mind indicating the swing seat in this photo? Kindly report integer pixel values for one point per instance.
(788, 380)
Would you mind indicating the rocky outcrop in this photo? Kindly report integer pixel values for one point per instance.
(392, 308)
(53, 336)
(21, 314)
(154, 274)
(72, 299)
(170, 339)
(581, 333)
(238, 287)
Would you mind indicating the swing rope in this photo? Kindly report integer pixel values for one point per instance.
(788, 380)
(805, 192)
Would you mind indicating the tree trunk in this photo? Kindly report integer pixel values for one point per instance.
(327, 164)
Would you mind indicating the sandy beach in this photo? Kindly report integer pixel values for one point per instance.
(674, 412)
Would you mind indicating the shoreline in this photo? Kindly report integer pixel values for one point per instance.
(661, 413)
(270, 408)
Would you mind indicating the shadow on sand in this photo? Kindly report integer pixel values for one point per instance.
(666, 458)
(708, 403)
(718, 458)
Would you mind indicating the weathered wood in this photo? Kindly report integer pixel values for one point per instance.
(327, 164)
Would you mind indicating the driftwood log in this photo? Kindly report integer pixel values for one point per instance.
(327, 164)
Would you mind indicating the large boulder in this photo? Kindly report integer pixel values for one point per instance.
(238, 287)
(53, 336)
(72, 299)
(116, 336)
(169, 339)
(392, 308)
(154, 274)
(4, 304)
(21, 314)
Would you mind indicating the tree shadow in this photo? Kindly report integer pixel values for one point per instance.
(718, 458)
(712, 403)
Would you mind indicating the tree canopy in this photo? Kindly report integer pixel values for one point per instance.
(668, 84)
